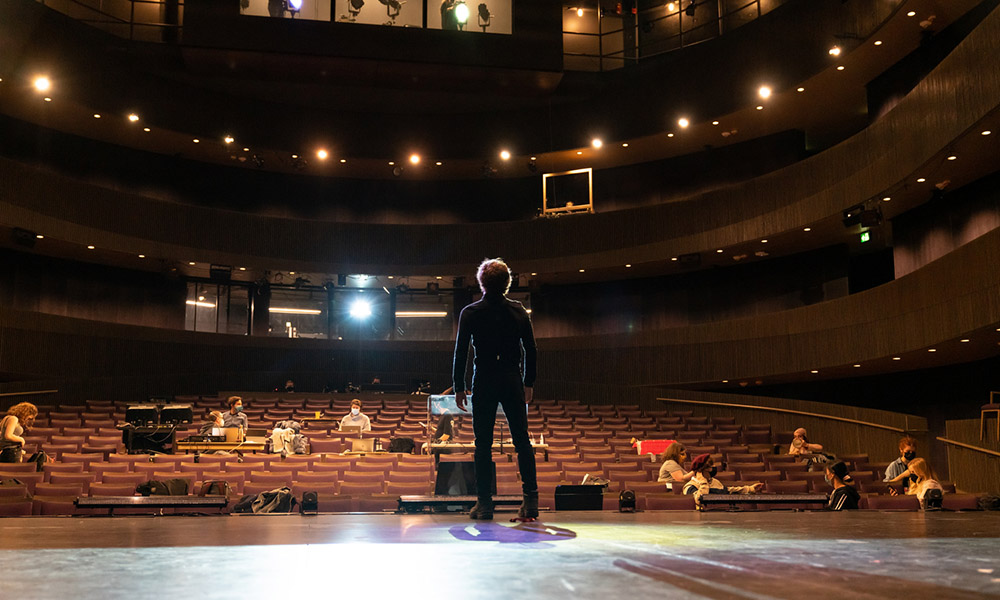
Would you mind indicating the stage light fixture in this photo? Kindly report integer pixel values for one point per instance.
(42, 83)
(293, 6)
(414, 159)
(689, 11)
(322, 154)
(353, 10)
(596, 143)
(360, 310)
(485, 16)
(683, 122)
(461, 14)
(835, 51)
(392, 9)
(505, 154)
(764, 92)
(229, 139)
(133, 117)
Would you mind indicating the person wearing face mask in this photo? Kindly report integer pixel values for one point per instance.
(214, 424)
(844, 496)
(704, 482)
(19, 418)
(235, 417)
(898, 470)
(672, 472)
(356, 417)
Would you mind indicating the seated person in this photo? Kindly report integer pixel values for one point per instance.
(445, 429)
(898, 470)
(923, 481)
(290, 386)
(214, 424)
(800, 444)
(356, 417)
(704, 482)
(19, 418)
(235, 416)
(844, 496)
(672, 472)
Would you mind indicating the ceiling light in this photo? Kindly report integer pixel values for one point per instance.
(911, 13)
(719, 251)
(142, 256)
(840, 67)
(763, 241)
(670, 135)
(801, 89)
(97, 116)
(192, 264)
(39, 236)
(414, 159)
(42, 83)
(878, 42)
(200, 304)
(932, 349)
(418, 314)
(886, 199)
(439, 163)
(896, 358)
(578, 153)
(683, 122)
(764, 92)
(628, 266)
(921, 180)
(47, 99)
(295, 156)
(759, 107)
(814, 371)
(505, 154)
(579, 12)
(246, 149)
(582, 270)
(90, 247)
(964, 340)
(835, 51)
(596, 143)
(392, 162)
(715, 122)
(343, 160)
(673, 259)
(625, 145)
(807, 229)
(322, 154)
(671, 7)
(133, 117)
(229, 139)
(196, 140)
(243, 268)
(856, 366)
(533, 274)
(302, 311)
(952, 157)
(987, 132)
(146, 129)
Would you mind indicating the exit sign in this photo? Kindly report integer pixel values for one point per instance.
(866, 236)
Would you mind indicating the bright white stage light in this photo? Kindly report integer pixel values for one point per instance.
(361, 309)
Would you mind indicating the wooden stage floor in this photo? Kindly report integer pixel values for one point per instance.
(801, 556)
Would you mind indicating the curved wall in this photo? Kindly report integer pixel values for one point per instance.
(963, 89)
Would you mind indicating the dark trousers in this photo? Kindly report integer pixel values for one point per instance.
(507, 392)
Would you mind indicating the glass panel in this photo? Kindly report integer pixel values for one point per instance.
(298, 313)
(425, 316)
(201, 312)
(361, 314)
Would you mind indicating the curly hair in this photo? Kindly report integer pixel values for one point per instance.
(494, 276)
(24, 411)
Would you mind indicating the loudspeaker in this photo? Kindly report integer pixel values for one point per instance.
(626, 501)
(579, 497)
(459, 479)
(310, 503)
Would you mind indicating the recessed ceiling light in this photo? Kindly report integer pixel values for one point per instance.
(39, 236)
(856, 366)
(246, 149)
(578, 152)
(952, 157)
(921, 180)
(191, 263)
(533, 274)
(295, 156)
(683, 122)
(674, 259)
(90, 247)
(628, 266)
(392, 163)
(759, 107)
(719, 251)
(801, 89)
(42, 83)
(533, 158)
(625, 145)
(912, 13)
(142, 256)
(579, 12)
(725, 381)
(715, 122)
(764, 92)
(229, 139)
(835, 51)
(932, 349)
(878, 42)
(896, 358)
(196, 140)
(243, 268)
(322, 154)
(414, 159)
(886, 199)
(133, 117)
(807, 229)
(840, 67)
(97, 116)
(596, 142)
(146, 129)
(293, 273)
(582, 270)
(438, 163)
(814, 371)
(47, 99)
(670, 135)
(505, 154)
(763, 241)
(987, 132)
(964, 340)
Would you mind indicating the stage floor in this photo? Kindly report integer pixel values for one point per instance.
(799, 556)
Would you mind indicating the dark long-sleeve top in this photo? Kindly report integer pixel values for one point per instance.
(500, 332)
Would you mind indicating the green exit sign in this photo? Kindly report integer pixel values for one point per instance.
(866, 236)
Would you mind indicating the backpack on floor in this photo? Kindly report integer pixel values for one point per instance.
(169, 487)
(278, 500)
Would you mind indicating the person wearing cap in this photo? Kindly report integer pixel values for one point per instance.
(704, 482)
(356, 418)
(844, 496)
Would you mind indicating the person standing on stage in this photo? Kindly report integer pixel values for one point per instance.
(503, 374)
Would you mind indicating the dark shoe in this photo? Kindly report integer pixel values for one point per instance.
(482, 511)
(529, 506)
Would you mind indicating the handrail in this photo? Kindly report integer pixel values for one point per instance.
(31, 393)
(787, 411)
(968, 446)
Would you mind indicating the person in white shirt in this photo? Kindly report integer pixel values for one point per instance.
(704, 482)
(356, 417)
(925, 481)
(672, 471)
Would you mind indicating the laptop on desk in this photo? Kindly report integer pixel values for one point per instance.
(351, 429)
(232, 435)
(363, 445)
(256, 435)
